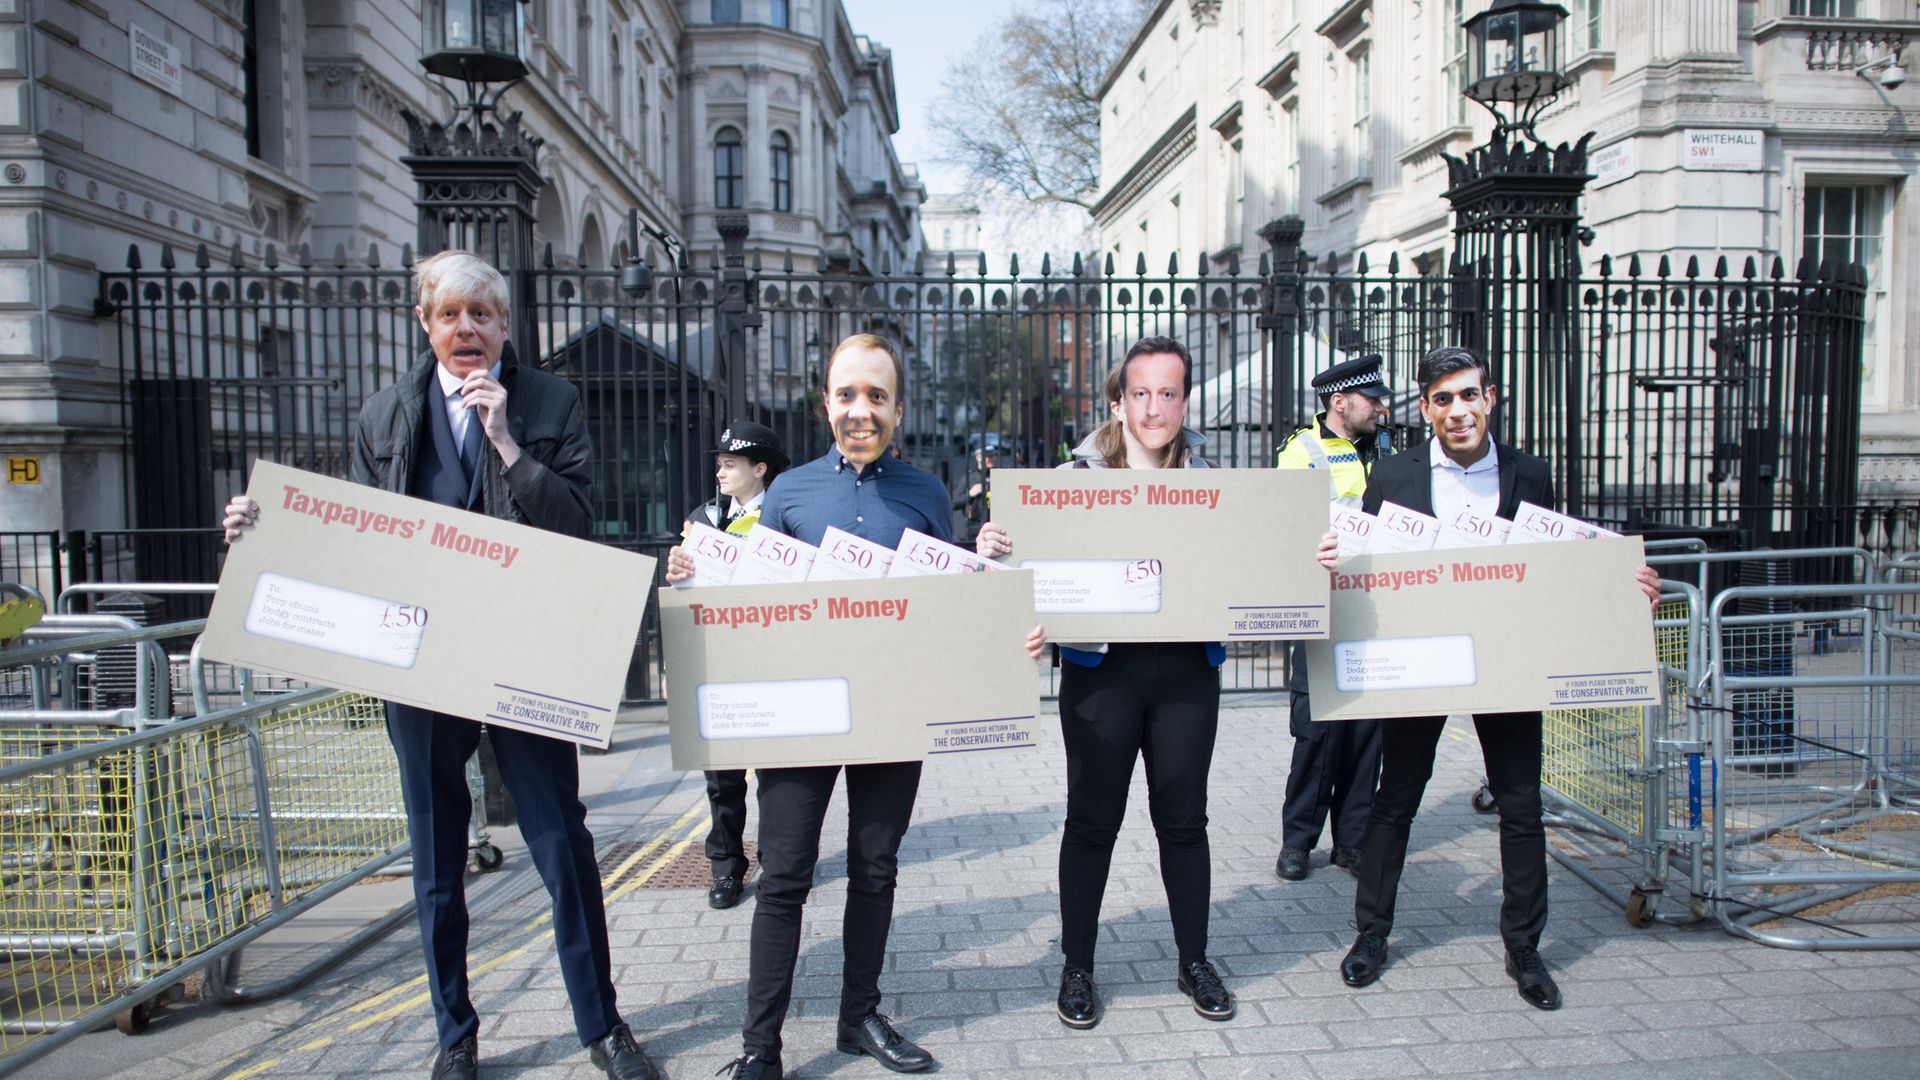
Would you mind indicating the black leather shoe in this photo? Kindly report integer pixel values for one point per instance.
(874, 1036)
(461, 1061)
(1529, 973)
(1292, 865)
(1364, 960)
(1347, 858)
(752, 1066)
(1079, 1002)
(1203, 987)
(617, 1055)
(724, 894)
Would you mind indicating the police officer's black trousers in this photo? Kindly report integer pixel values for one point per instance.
(726, 840)
(793, 809)
(1335, 768)
(543, 775)
(1510, 746)
(1160, 703)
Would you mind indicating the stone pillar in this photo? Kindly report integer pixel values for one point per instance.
(808, 147)
(759, 159)
(699, 142)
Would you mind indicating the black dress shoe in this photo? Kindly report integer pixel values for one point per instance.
(461, 1061)
(1364, 960)
(873, 1035)
(1203, 987)
(751, 1066)
(1529, 973)
(617, 1055)
(1079, 1002)
(1292, 865)
(1347, 858)
(724, 894)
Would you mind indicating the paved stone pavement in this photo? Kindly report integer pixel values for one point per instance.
(974, 960)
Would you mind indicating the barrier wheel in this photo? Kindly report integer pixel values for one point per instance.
(488, 858)
(1483, 800)
(1639, 908)
(134, 1020)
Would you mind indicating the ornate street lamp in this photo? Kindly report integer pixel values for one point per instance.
(1513, 59)
(474, 41)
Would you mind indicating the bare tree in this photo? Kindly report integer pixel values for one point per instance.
(1022, 112)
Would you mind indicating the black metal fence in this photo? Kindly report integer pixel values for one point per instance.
(1723, 403)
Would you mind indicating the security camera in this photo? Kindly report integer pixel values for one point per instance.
(1892, 72)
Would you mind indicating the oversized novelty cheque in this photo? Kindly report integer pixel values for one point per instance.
(349, 586)
(1169, 555)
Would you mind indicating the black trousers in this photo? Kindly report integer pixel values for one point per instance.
(793, 808)
(1335, 768)
(726, 841)
(1160, 703)
(543, 776)
(1510, 745)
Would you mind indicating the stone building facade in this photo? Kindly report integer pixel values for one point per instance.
(265, 125)
(1720, 126)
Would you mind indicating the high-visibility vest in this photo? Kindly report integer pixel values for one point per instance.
(1308, 448)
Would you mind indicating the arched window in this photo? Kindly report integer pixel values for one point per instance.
(726, 11)
(782, 171)
(729, 182)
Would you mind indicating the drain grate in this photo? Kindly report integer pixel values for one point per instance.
(688, 870)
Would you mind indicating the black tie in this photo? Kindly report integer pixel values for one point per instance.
(470, 445)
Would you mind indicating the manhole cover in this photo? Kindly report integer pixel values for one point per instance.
(688, 870)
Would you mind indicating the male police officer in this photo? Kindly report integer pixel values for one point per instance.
(1335, 765)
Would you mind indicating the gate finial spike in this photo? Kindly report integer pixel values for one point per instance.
(1140, 265)
(1013, 265)
(202, 259)
(1046, 264)
(133, 256)
(373, 256)
(166, 257)
(1173, 263)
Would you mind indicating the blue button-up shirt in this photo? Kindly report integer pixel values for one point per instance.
(875, 503)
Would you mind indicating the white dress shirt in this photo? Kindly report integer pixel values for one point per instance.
(742, 509)
(458, 415)
(1476, 487)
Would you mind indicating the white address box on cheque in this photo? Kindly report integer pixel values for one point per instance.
(775, 709)
(1412, 663)
(345, 623)
(1095, 586)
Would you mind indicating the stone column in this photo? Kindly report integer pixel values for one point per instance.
(698, 146)
(759, 161)
(808, 147)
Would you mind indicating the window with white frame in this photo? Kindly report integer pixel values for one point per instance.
(1826, 9)
(781, 165)
(616, 78)
(1362, 134)
(1586, 26)
(777, 15)
(1845, 221)
(1236, 190)
(1454, 105)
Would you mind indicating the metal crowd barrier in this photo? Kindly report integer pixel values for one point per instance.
(1781, 775)
(139, 847)
(1634, 774)
(1815, 838)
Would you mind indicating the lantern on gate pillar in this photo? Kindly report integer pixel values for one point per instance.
(1513, 60)
(474, 41)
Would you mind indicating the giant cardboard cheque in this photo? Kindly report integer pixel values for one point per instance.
(1512, 628)
(419, 603)
(849, 672)
(1169, 555)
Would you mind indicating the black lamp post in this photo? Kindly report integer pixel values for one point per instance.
(1513, 59)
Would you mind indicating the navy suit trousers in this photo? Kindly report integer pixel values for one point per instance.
(543, 776)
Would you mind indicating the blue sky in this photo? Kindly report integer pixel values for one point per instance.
(923, 36)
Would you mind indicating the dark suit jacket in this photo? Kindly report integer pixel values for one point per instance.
(1407, 480)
